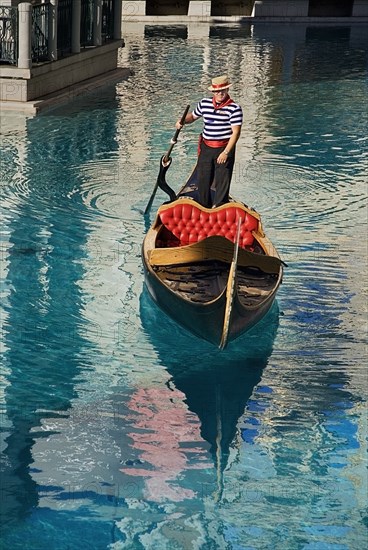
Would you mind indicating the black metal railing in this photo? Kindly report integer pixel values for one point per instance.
(8, 35)
(40, 39)
(40, 32)
(87, 21)
(107, 30)
(64, 28)
(86, 24)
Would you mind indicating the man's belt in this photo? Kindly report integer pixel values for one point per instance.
(215, 143)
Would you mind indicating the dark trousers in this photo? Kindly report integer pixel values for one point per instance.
(210, 172)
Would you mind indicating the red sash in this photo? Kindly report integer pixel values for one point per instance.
(215, 143)
(211, 143)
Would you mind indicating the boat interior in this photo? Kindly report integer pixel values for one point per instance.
(194, 248)
(205, 282)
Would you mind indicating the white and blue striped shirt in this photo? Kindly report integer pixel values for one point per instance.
(218, 122)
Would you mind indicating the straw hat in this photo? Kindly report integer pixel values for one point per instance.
(220, 83)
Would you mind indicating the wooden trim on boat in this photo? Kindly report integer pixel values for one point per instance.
(233, 203)
(213, 248)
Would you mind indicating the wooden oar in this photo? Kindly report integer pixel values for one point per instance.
(230, 290)
(166, 160)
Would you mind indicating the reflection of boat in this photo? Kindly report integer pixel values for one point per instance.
(213, 271)
(218, 385)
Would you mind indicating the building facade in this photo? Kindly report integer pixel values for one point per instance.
(47, 46)
(135, 9)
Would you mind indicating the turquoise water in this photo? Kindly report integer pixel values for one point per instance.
(118, 431)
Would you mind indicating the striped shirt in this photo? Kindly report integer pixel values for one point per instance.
(218, 122)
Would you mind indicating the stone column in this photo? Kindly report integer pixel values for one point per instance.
(53, 30)
(200, 8)
(118, 9)
(133, 10)
(25, 30)
(97, 23)
(76, 23)
(360, 8)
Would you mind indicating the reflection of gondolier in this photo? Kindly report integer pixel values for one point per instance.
(222, 119)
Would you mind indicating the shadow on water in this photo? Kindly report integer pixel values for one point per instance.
(92, 99)
(166, 32)
(236, 31)
(217, 384)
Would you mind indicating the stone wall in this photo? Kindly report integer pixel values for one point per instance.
(21, 85)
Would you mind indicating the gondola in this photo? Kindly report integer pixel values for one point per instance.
(213, 271)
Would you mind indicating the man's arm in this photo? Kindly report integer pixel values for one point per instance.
(231, 144)
(234, 138)
(188, 120)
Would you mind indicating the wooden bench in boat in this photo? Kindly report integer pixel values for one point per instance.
(213, 248)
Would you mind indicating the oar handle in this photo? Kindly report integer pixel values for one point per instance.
(164, 160)
(174, 139)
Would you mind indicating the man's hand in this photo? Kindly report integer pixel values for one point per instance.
(188, 120)
(222, 158)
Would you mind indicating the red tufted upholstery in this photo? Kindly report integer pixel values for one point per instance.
(190, 224)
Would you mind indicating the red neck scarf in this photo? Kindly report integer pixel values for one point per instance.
(227, 100)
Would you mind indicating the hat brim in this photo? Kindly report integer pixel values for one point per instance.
(212, 89)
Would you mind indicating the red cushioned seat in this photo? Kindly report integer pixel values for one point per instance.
(190, 224)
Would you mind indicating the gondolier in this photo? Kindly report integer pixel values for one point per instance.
(222, 121)
(214, 271)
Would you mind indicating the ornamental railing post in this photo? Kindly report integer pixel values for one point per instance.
(76, 25)
(53, 30)
(25, 30)
(97, 23)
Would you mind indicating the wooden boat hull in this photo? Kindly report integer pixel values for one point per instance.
(205, 320)
(190, 282)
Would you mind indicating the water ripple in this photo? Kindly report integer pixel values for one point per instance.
(96, 379)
